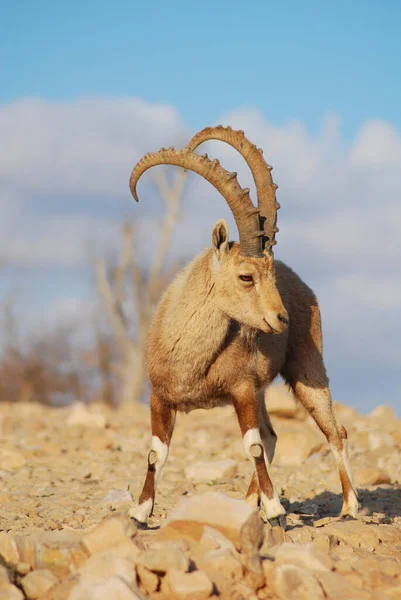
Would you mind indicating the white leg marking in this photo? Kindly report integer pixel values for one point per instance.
(352, 505)
(161, 450)
(251, 437)
(142, 511)
(273, 507)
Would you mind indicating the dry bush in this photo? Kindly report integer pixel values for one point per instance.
(38, 368)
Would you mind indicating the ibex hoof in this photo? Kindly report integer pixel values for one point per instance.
(139, 524)
(280, 521)
(347, 518)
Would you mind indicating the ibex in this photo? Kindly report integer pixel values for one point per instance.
(231, 321)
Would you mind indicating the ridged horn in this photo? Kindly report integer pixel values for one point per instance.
(237, 198)
(265, 188)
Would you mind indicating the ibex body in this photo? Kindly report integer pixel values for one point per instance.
(231, 321)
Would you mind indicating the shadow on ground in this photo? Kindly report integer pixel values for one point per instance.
(383, 499)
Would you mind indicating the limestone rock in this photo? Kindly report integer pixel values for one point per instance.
(371, 476)
(149, 580)
(37, 583)
(8, 548)
(163, 558)
(80, 415)
(252, 535)
(109, 532)
(10, 592)
(59, 551)
(354, 533)
(378, 438)
(393, 593)
(116, 498)
(114, 588)
(4, 575)
(211, 470)
(228, 515)
(291, 582)
(280, 402)
(11, 460)
(222, 567)
(383, 412)
(187, 586)
(305, 556)
(294, 446)
(119, 560)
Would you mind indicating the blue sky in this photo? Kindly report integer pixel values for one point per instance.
(87, 87)
(289, 59)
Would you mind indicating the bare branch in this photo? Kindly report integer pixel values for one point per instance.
(172, 196)
(111, 305)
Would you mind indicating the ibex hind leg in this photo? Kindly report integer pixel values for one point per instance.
(306, 375)
(162, 421)
(269, 439)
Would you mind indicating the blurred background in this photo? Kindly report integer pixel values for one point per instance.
(86, 88)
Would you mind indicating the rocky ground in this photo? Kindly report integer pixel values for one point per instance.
(67, 475)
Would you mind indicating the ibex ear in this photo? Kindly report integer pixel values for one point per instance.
(220, 239)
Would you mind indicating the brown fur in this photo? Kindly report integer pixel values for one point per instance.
(213, 342)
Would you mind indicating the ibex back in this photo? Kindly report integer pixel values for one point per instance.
(229, 323)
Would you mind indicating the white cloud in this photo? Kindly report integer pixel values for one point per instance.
(377, 145)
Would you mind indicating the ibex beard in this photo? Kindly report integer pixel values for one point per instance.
(230, 322)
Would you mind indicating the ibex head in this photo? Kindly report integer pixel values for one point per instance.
(243, 273)
(245, 285)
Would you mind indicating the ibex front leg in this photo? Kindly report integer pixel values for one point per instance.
(269, 439)
(163, 420)
(246, 405)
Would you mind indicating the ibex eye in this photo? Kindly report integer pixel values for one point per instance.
(247, 278)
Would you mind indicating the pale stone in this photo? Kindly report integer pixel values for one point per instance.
(393, 593)
(213, 539)
(26, 549)
(8, 548)
(80, 415)
(305, 556)
(291, 582)
(379, 438)
(115, 498)
(222, 567)
(109, 532)
(38, 582)
(338, 588)
(164, 558)
(346, 413)
(274, 537)
(371, 476)
(383, 412)
(252, 535)
(149, 580)
(114, 588)
(280, 402)
(117, 560)
(10, 592)
(211, 470)
(215, 509)
(354, 533)
(187, 586)
(295, 446)
(4, 575)
(59, 551)
(10, 460)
